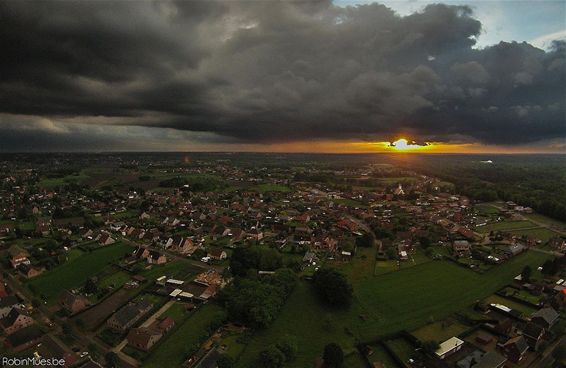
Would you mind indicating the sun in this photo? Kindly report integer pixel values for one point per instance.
(403, 144)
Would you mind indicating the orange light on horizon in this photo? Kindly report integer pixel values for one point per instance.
(403, 144)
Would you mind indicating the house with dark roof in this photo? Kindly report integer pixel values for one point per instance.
(515, 349)
(491, 360)
(128, 315)
(143, 338)
(7, 303)
(545, 317)
(15, 320)
(72, 303)
(24, 338)
(533, 334)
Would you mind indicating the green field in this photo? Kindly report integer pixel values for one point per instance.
(506, 225)
(546, 220)
(539, 234)
(185, 339)
(265, 188)
(76, 271)
(439, 331)
(383, 304)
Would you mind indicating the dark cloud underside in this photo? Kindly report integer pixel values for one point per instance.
(276, 71)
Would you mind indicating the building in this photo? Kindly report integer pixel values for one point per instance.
(128, 315)
(7, 303)
(143, 338)
(72, 303)
(515, 349)
(217, 254)
(545, 317)
(448, 347)
(533, 333)
(18, 256)
(15, 320)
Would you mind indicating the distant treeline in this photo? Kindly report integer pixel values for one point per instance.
(534, 181)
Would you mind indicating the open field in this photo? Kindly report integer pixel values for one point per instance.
(439, 331)
(505, 225)
(185, 339)
(541, 234)
(265, 188)
(75, 272)
(546, 220)
(382, 305)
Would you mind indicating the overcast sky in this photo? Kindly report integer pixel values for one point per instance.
(266, 75)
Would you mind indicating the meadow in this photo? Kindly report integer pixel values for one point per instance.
(76, 271)
(407, 299)
(184, 340)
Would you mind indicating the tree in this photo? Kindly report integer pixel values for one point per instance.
(333, 356)
(333, 287)
(430, 346)
(288, 346)
(272, 357)
(90, 286)
(526, 273)
(366, 240)
(225, 361)
(111, 359)
(425, 242)
(560, 352)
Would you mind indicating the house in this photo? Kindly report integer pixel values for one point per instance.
(448, 347)
(72, 303)
(15, 320)
(461, 247)
(155, 257)
(105, 239)
(491, 360)
(217, 254)
(166, 324)
(24, 338)
(143, 338)
(515, 348)
(533, 333)
(18, 256)
(128, 315)
(29, 271)
(7, 303)
(545, 317)
(483, 360)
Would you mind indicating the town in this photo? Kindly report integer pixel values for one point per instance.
(221, 260)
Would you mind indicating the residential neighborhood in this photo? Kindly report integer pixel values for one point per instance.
(137, 261)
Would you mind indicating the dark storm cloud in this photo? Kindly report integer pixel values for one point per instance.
(277, 71)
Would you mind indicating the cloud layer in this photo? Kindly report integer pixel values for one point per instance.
(265, 72)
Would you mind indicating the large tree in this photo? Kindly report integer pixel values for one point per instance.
(333, 287)
(333, 356)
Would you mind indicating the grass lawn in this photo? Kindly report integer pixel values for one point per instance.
(539, 234)
(546, 220)
(76, 271)
(402, 348)
(264, 188)
(114, 279)
(486, 209)
(505, 225)
(176, 347)
(440, 331)
(524, 309)
(415, 258)
(380, 355)
(383, 304)
(177, 311)
(175, 268)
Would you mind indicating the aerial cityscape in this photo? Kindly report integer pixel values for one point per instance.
(272, 184)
